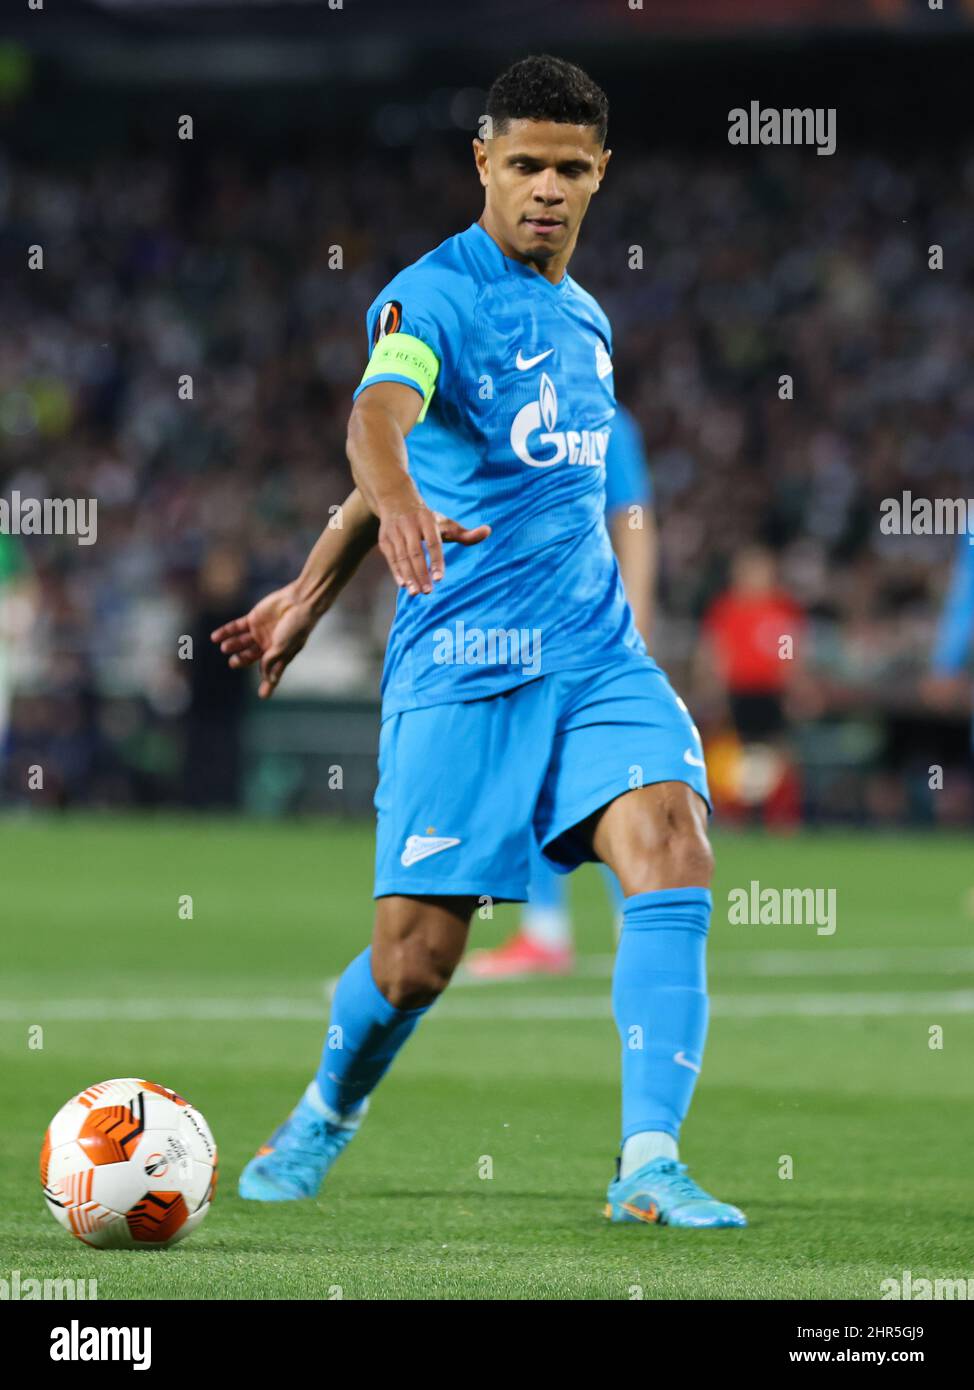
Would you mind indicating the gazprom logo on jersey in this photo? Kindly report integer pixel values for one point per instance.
(586, 447)
(492, 646)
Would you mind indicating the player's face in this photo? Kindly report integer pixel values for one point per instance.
(540, 177)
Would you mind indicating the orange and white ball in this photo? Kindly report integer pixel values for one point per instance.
(128, 1164)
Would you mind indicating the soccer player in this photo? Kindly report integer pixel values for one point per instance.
(518, 699)
(543, 943)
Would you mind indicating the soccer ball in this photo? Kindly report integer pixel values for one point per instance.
(127, 1164)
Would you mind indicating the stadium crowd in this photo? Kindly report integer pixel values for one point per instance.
(253, 282)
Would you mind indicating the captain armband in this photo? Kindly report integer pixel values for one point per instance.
(402, 355)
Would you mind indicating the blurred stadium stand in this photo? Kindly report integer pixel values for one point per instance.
(317, 128)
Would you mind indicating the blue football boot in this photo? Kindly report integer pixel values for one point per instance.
(662, 1192)
(293, 1162)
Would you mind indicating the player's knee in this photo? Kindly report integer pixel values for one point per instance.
(693, 858)
(412, 974)
(674, 852)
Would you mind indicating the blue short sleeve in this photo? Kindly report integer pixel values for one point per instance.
(419, 304)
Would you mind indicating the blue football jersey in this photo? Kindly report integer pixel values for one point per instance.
(514, 432)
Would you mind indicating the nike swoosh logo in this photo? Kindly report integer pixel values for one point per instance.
(650, 1213)
(690, 757)
(682, 1061)
(524, 363)
(422, 846)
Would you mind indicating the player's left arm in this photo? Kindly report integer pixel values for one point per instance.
(277, 627)
(631, 519)
(635, 540)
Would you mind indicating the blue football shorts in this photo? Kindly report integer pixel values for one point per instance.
(465, 788)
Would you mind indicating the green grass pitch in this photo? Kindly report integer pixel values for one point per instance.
(819, 1049)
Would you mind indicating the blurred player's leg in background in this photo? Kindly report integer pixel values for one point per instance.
(768, 785)
(542, 944)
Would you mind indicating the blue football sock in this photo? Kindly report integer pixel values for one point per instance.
(364, 1034)
(659, 998)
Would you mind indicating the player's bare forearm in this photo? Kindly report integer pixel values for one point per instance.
(376, 446)
(410, 534)
(277, 627)
(337, 554)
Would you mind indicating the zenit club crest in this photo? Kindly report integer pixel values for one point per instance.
(389, 320)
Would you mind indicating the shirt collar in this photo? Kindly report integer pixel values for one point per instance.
(492, 258)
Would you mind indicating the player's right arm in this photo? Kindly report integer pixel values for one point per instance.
(416, 330)
(381, 419)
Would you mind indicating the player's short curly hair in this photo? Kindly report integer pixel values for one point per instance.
(544, 88)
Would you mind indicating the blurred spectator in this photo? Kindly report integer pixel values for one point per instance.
(753, 635)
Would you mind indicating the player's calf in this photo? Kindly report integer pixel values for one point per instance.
(378, 1001)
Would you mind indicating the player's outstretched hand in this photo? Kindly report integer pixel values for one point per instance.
(272, 633)
(402, 536)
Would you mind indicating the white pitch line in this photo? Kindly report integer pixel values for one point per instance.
(821, 960)
(743, 1006)
(160, 1010)
(849, 960)
(516, 1008)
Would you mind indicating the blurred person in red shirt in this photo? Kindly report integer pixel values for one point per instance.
(752, 640)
